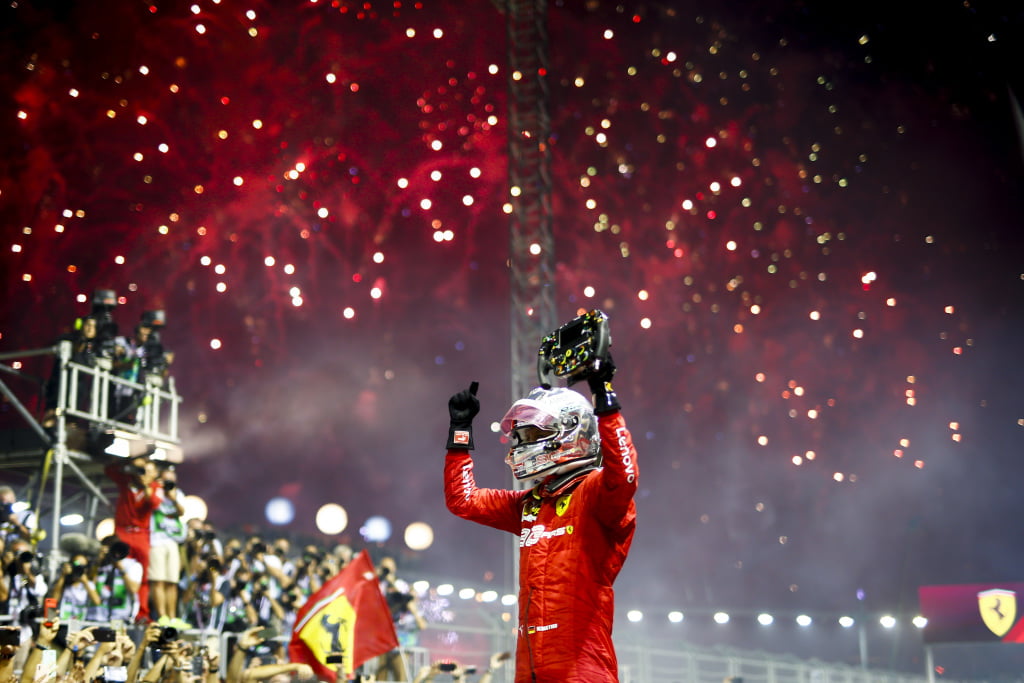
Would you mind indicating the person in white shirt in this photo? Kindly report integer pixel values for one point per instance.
(167, 535)
(117, 581)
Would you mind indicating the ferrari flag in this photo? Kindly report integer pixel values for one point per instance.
(349, 617)
(972, 612)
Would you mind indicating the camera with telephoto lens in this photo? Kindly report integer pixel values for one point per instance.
(117, 551)
(77, 572)
(574, 349)
(133, 470)
(34, 562)
(104, 301)
(168, 634)
(153, 357)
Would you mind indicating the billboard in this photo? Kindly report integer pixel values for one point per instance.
(974, 612)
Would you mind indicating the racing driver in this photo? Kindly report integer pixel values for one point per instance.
(575, 524)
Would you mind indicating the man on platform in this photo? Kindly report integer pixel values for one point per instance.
(140, 492)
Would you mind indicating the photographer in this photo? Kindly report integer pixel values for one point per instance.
(239, 612)
(14, 525)
(89, 340)
(269, 611)
(307, 570)
(110, 650)
(407, 619)
(118, 581)
(140, 359)
(203, 599)
(139, 493)
(26, 587)
(165, 541)
(168, 651)
(75, 588)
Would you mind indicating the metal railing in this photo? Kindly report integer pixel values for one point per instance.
(147, 417)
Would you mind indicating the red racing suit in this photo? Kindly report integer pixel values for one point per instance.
(133, 513)
(571, 547)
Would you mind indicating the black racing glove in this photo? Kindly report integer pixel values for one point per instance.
(600, 382)
(462, 408)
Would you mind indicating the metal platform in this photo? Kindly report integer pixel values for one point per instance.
(60, 453)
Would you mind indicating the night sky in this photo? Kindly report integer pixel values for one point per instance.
(802, 218)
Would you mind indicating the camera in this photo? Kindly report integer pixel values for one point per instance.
(104, 634)
(117, 551)
(335, 658)
(447, 667)
(575, 348)
(133, 470)
(33, 560)
(77, 572)
(10, 636)
(398, 601)
(6, 510)
(168, 634)
(104, 301)
(30, 615)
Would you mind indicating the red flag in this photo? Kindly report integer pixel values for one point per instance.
(348, 615)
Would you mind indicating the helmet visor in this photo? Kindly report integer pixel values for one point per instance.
(524, 433)
(526, 412)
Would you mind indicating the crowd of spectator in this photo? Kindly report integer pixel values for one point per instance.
(162, 599)
(76, 615)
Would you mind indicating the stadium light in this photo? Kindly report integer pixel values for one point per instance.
(105, 528)
(331, 519)
(419, 536)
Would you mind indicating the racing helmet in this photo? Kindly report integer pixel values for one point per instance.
(553, 431)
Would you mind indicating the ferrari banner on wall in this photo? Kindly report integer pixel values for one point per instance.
(974, 612)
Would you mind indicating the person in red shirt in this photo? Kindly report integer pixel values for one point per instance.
(139, 493)
(575, 525)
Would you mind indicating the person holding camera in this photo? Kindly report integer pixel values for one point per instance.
(118, 581)
(25, 586)
(202, 600)
(168, 533)
(575, 525)
(75, 589)
(139, 493)
(14, 525)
